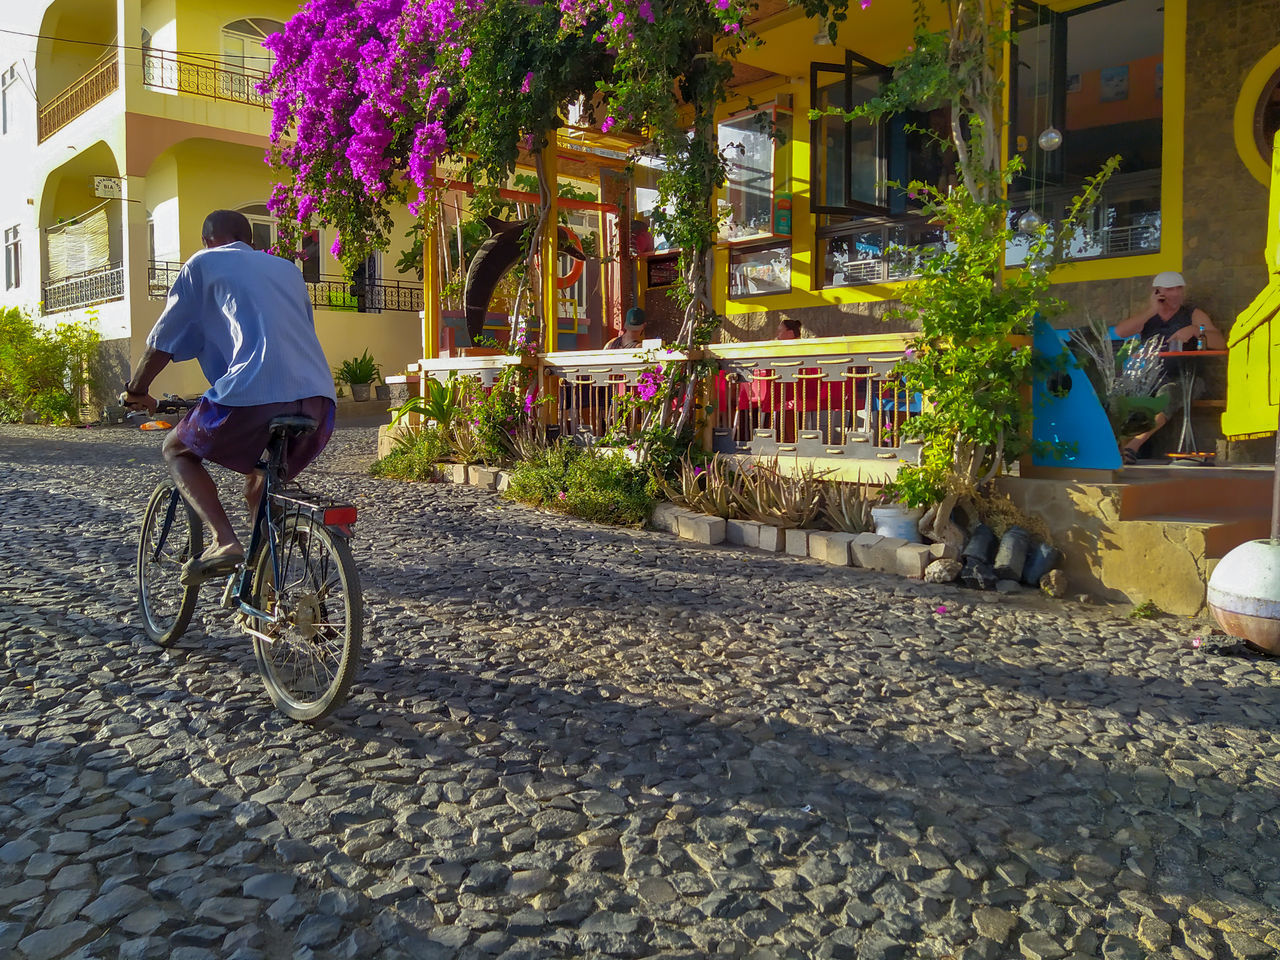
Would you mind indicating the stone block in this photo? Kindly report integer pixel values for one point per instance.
(742, 533)
(912, 559)
(700, 528)
(942, 571)
(388, 435)
(772, 539)
(664, 517)
(797, 543)
(943, 551)
(504, 480)
(830, 547)
(455, 472)
(881, 555)
(859, 546)
(486, 478)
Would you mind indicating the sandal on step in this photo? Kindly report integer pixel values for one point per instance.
(1130, 457)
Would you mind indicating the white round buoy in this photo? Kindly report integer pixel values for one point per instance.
(1244, 594)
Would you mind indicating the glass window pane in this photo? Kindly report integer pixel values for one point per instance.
(747, 144)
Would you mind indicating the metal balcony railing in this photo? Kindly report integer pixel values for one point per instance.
(96, 85)
(84, 289)
(203, 78)
(326, 293)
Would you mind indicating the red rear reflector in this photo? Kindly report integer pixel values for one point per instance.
(339, 516)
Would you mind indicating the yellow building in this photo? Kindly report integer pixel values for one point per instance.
(124, 122)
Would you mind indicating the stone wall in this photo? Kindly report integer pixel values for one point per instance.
(1224, 219)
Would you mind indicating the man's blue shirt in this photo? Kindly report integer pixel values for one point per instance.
(245, 316)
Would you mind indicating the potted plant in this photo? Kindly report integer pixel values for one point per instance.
(359, 373)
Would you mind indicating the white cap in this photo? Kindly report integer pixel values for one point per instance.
(1169, 278)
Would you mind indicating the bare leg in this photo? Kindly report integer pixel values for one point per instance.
(254, 483)
(1136, 443)
(198, 489)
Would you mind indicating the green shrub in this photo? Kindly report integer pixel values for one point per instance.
(414, 458)
(600, 487)
(361, 369)
(43, 369)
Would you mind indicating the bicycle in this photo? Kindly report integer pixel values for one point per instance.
(298, 591)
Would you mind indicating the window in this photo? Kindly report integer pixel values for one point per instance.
(755, 146)
(1266, 117)
(242, 49)
(12, 259)
(10, 99)
(1096, 75)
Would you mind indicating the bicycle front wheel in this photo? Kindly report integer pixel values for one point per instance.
(310, 652)
(163, 547)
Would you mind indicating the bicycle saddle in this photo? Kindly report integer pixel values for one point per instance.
(294, 426)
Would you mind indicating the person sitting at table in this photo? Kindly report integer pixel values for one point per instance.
(788, 329)
(632, 335)
(1175, 322)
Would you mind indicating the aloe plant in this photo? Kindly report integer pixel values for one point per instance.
(847, 506)
(361, 369)
(440, 401)
(767, 495)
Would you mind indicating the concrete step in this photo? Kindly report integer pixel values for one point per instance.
(1220, 536)
(1218, 497)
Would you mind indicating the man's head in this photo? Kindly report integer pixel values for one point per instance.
(635, 320)
(1169, 288)
(226, 226)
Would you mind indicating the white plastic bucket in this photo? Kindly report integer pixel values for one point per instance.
(895, 520)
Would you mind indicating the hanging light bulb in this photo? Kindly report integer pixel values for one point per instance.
(1030, 222)
(1050, 140)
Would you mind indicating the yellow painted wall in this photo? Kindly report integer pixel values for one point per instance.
(79, 26)
(200, 22)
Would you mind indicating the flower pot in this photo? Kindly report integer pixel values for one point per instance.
(359, 391)
(896, 520)
(382, 392)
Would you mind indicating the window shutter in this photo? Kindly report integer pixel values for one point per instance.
(79, 247)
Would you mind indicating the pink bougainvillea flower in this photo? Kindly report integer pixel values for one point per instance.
(940, 609)
(562, 495)
(528, 80)
(607, 125)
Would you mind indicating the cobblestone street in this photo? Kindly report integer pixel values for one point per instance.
(568, 740)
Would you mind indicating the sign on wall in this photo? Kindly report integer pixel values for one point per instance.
(108, 188)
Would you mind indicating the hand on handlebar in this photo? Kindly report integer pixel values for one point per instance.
(138, 401)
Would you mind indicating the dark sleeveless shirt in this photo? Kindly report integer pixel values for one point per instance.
(1158, 327)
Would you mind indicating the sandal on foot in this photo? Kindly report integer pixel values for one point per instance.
(1130, 457)
(199, 569)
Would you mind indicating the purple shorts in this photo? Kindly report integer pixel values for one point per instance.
(235, 437)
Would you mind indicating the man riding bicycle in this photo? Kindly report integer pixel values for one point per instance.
(245, 316)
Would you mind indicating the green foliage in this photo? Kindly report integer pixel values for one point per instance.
(968, 362)
(1146, 610)
(603, 487)
(44, 369)
(847, 506)
(707, 486)
(498, 419)
(361, 369)
(415, 457)
(767, 495)
(440, 401)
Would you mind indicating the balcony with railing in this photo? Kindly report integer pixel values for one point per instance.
(162, 70)
(96, 85)
(326, 292)
(99, 285)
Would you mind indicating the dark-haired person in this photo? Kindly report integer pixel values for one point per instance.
(245, 316)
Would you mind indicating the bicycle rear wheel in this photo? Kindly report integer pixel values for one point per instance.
(166, 603)
(314, 647)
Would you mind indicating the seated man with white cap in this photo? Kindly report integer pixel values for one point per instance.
(1176, 322)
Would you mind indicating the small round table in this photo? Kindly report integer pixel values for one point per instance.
(1187, 377)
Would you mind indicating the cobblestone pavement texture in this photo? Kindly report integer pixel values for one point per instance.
(575, 741)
